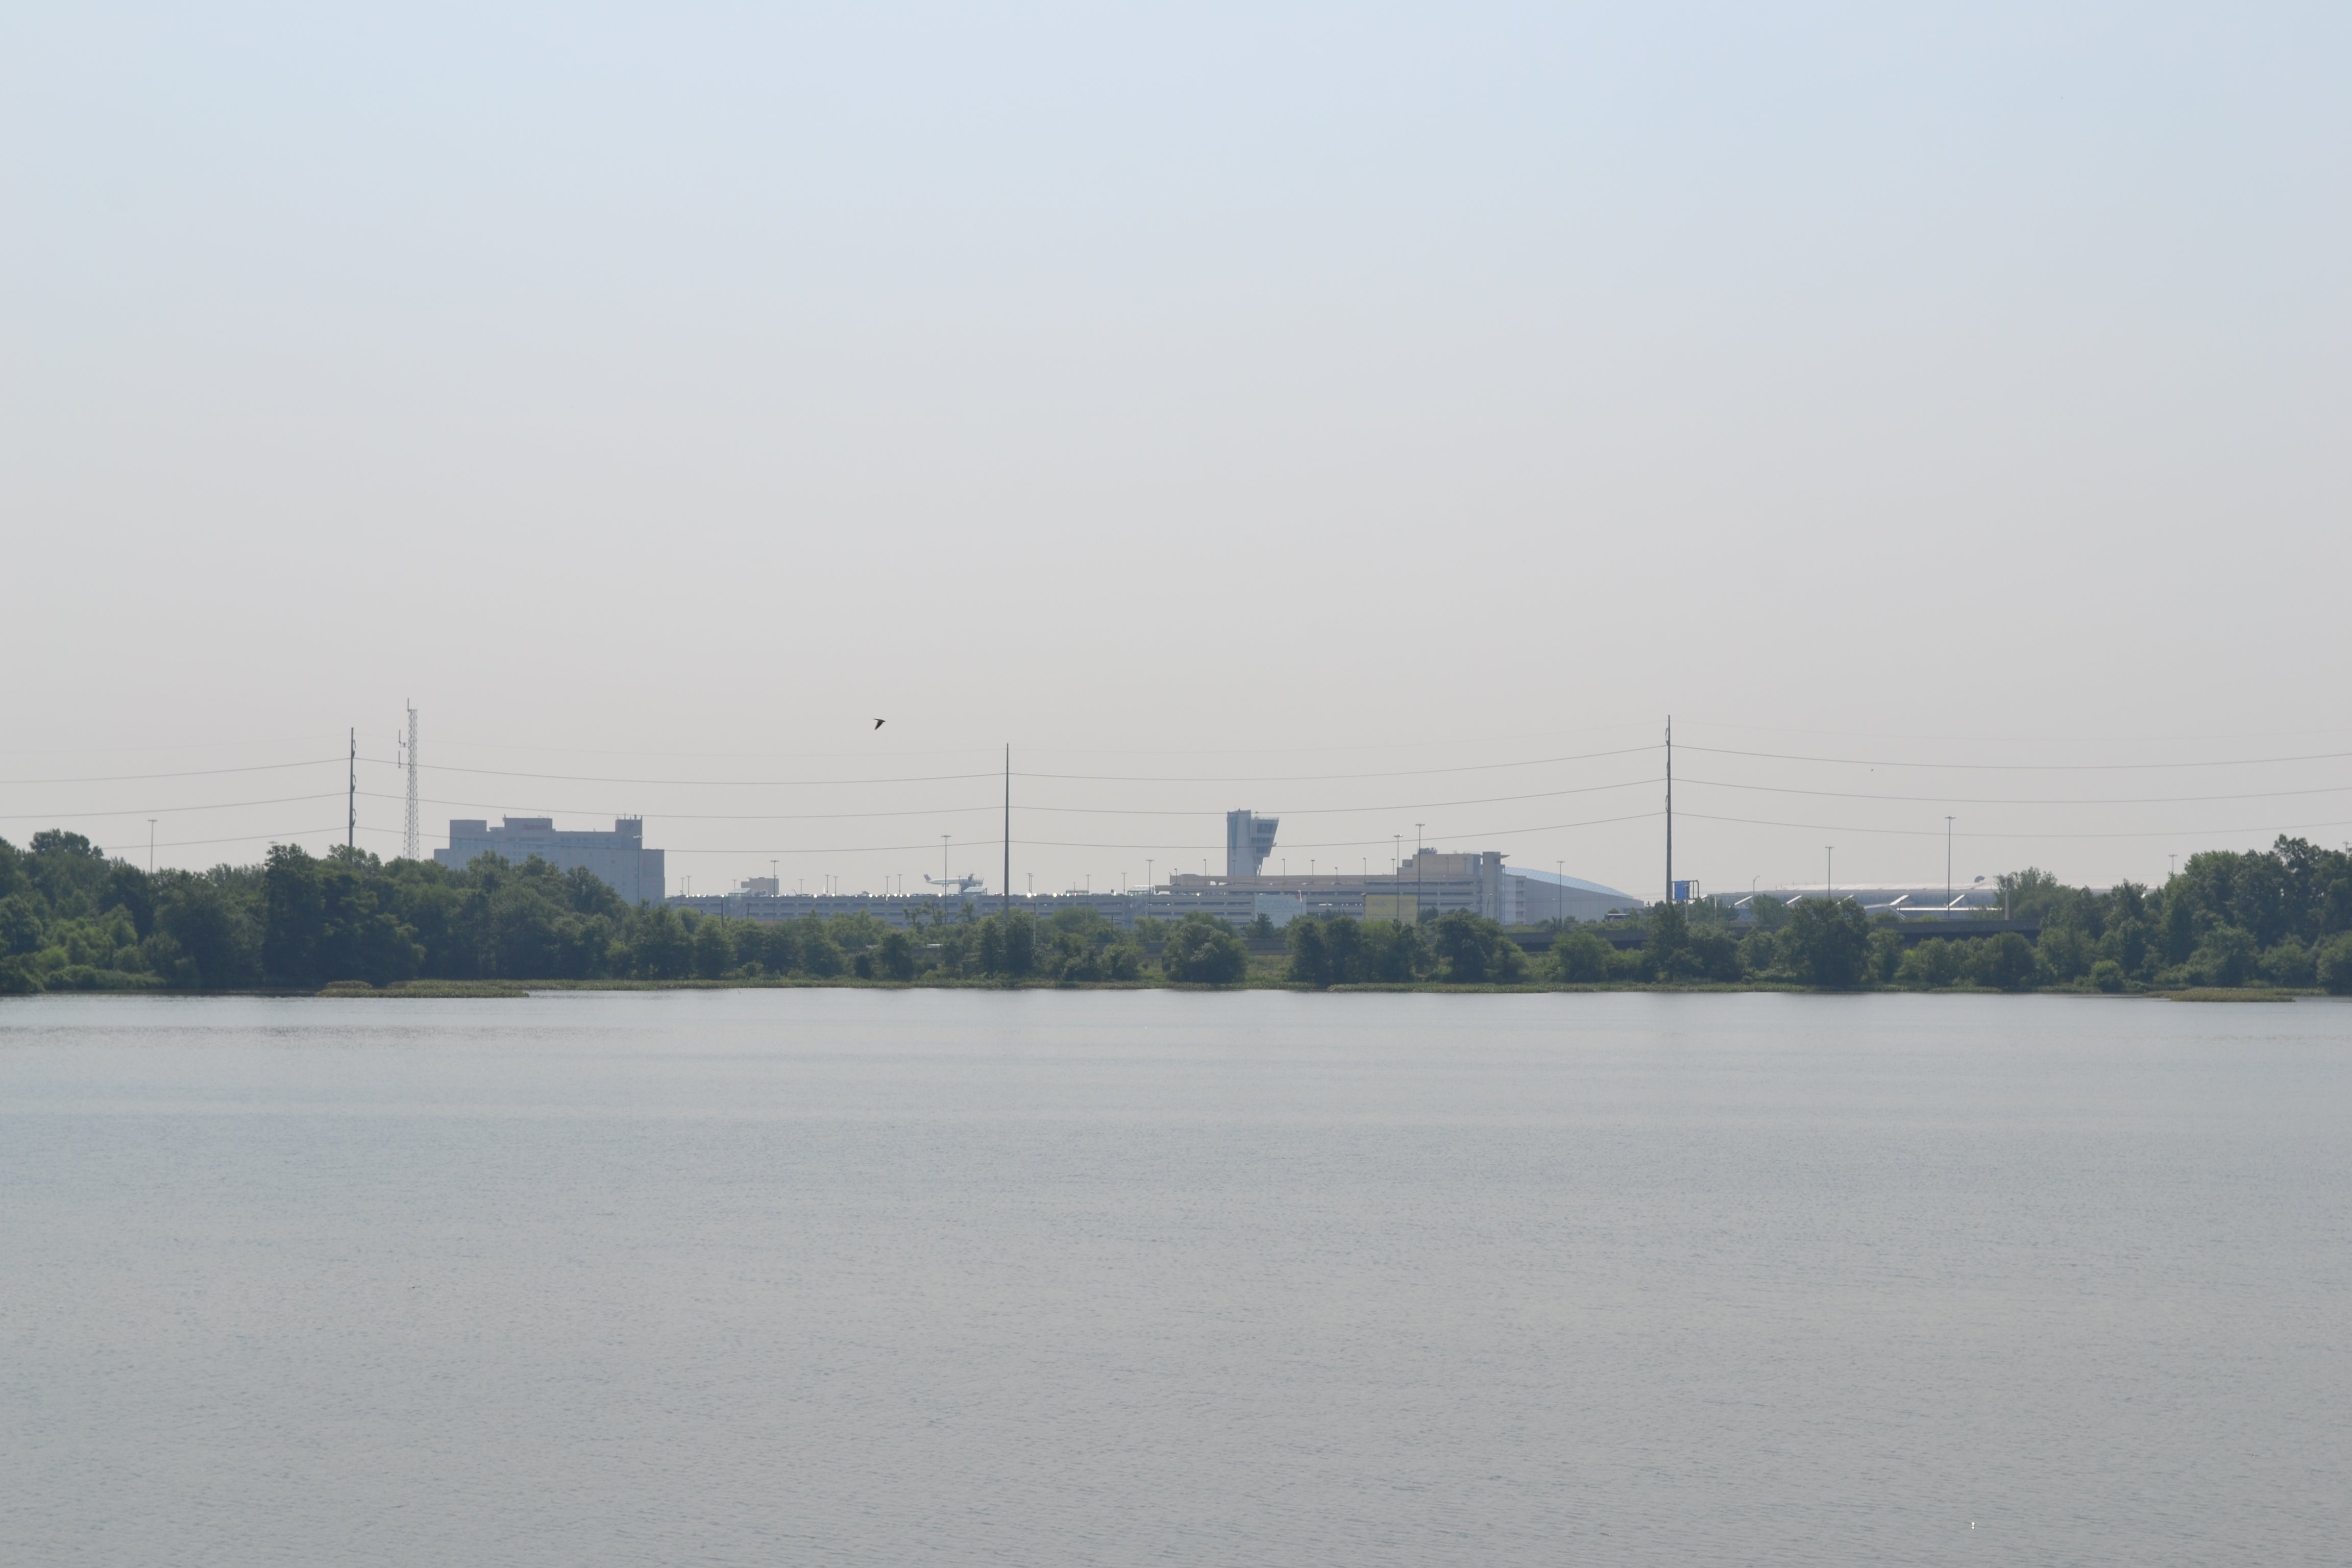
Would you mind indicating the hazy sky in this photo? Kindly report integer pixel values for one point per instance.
(1250, 393)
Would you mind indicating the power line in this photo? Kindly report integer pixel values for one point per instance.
(2022, 767)
(1996, 800)
(696, 784)
(162, 810)
(997, 774)
(1195, 845)
(1931, 833)
(1324, 778)
(725, 816)
(1060, 810)
(190, 773)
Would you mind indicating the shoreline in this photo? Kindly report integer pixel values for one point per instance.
(480, 990)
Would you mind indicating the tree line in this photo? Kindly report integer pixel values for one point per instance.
(72, 919)
(2280, 917)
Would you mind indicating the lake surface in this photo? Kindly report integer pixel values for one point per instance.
(845, 1277)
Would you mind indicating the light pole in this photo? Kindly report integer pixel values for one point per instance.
(1948, 865)
(1829, 876)
(151, 845)
(1416, 873)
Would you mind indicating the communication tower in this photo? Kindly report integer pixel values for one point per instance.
(409, 844)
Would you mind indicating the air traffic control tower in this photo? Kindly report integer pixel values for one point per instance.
(1249, 839)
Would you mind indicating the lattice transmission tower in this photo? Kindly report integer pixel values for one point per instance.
(409, 845)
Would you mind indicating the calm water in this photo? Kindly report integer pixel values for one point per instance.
(861, 1277)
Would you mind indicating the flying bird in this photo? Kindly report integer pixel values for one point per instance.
(877, 723)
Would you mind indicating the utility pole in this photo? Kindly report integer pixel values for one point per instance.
(352, 803)
(151, 845)
(1829, 878)
(410, 842)
(1670, 808)
(1948, 865)
(1416, 873)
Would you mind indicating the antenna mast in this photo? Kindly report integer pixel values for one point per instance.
(1005, 900)
(408, 840)
(352, 809)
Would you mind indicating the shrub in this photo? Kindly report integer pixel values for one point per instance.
(2107, 975)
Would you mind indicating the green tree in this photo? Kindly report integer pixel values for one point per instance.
(1311, 954)
(2226, 957)
(1007, 948)
(661, 947)
(1203, 950)
(2005, 962)
(2288, 963)
(714, 950)
(2065, 953)
(20, 924)
(1827, 943)
(1472, 950)
(894, 956)
(2028, 895)
(1579, 957)
(294, 911)
(1885, 956)
(1666, 943)
(820, 956)
(2334, 965)
(1932, 965)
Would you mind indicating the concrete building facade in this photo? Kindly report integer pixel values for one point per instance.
(619, 858)
(1249, 838)
(1428, 881)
